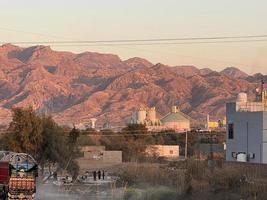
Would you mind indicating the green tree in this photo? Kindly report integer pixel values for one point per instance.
(135, 143)
(41, 137)
(53, 149)
(25, 132)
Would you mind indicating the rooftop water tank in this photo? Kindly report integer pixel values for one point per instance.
(242, 97)
(241, 157)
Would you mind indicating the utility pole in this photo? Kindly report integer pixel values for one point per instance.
(211, 161)
(186, 141)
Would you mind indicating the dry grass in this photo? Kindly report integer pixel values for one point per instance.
(247, 181)
(155, 175)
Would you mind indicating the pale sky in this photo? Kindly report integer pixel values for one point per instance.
(144, 19)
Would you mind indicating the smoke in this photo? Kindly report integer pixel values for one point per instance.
(78, 191)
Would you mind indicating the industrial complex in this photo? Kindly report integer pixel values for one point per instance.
(175, 119)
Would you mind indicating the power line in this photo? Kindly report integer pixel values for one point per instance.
(140, 40)
(158, 44)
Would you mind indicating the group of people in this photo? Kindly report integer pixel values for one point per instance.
(98, 174)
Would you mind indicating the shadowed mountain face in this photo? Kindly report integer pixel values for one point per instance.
(76, 87)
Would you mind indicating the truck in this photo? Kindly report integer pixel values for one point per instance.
(4, 179)
(18, 173)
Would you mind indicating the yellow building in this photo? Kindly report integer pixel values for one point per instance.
(213, 125)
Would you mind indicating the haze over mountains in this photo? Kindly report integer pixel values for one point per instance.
(75, 87)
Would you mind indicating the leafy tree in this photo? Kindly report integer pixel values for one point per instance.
(25, 132)
(73, 137)
(53, 149)
(41, 137)
(131, 142)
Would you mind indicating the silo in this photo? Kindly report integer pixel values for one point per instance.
(134, 118)
(93, 122)
(141, 116)
(151, 115)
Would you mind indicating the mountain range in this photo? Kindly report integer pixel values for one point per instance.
(76, 87)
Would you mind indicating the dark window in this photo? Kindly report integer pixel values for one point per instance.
(230, 131)
(171, 151)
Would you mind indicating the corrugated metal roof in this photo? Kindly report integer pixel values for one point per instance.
(175, 117)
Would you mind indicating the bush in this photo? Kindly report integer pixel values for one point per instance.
(131, 194)
(227, 178)
(145, 174)
(159, 194)
(150, 194)
(256, 189)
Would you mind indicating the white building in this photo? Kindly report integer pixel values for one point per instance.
(246, 130)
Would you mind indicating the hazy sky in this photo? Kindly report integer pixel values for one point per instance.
(144, 19)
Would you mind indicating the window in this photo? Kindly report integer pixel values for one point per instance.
(231, 131)
(171, 151)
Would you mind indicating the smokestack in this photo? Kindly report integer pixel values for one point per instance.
(93, 122)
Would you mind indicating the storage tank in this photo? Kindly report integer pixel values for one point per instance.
(241, 157)
(134, 117)
(93, 122)
(242, 97)
(151, 115)
(141, 115)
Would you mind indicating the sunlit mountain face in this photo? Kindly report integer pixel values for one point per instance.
(74, 87)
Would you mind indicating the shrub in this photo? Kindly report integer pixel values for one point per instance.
(159, 194)
(227, 178)
(131, 194)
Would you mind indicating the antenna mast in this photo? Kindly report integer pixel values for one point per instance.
(262, 90)
(263, 96)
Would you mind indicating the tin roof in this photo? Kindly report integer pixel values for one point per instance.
(175, 117)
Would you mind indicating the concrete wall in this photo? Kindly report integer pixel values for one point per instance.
(178, 126)
(205, 148)
(99, 160)
(112, 157)
(92, 148)
(167, 151)
(248, 133)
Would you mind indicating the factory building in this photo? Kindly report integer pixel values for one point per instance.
(247, 129)
(175, 120)
(214, 125)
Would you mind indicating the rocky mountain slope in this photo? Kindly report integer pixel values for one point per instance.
(75, 87)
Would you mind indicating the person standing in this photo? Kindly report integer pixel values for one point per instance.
(94, 174)
(99, 174)
(103, 175)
